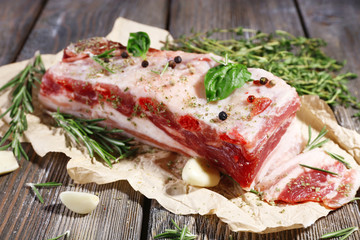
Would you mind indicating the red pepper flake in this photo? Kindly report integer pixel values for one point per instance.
(256, 82)
(260, 104)
(189, 123)
(250, 98)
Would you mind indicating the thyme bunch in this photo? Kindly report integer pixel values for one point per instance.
(95, 138)
(298, 60)
(21, 104)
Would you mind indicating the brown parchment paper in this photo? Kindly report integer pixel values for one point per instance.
(157, 173)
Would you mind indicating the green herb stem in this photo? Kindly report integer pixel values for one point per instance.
(343, 233)
(34, 186)
(318, 169)
(21, 105)
(177, 233)
(318, 141)
(100, 59)
(95, 138)
(65, 234)
(339, 158)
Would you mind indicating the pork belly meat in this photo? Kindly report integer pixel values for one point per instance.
(282, 179)
(170, 110)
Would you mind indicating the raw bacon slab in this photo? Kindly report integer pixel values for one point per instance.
(170, 110)
(296, 184)
(282, 179)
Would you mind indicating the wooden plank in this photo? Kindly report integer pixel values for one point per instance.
(16, 21)
(120, 213)
(266, 16)
(24, 217)
(63, 22)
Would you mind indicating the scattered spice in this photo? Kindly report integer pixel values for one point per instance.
(256, 82)
(124, 54)
(144, 63)
(177, 59)
(271, 83)
(222, 116)
(250, 98)
(172, 64)
(263, 80)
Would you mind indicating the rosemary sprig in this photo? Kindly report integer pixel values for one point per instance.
(96, 139)
(36, 191)
(318, 169)
(21, 104)
(317, 142)
(343, 233)
(65, 234)
(298, 60)
(101, 58)
(339, 158)
(177, 233)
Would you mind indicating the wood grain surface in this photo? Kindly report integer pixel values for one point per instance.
(16, 21)
(49, 26)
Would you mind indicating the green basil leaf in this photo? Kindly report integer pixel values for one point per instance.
(138, 44)
(222, 80)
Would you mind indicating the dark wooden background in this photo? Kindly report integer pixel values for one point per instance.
(48, 26)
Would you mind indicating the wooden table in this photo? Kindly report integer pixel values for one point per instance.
(29, 25)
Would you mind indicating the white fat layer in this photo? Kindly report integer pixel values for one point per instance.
(182, 89)
(290, 145)
(116, 120)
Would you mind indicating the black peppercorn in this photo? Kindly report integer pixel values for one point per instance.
(124, 54)
(177, 59)
(222, 116)
(106, 60)
(144, 64)
(263, 80)
(172, 64)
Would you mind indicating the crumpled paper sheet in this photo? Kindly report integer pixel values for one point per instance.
(157, 173)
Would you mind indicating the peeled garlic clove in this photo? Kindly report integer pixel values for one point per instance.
(198, 172)
(79, 202)
(8, 162)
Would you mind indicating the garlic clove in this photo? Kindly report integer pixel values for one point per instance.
(79, 202)
(8, 162)
(198, 172)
